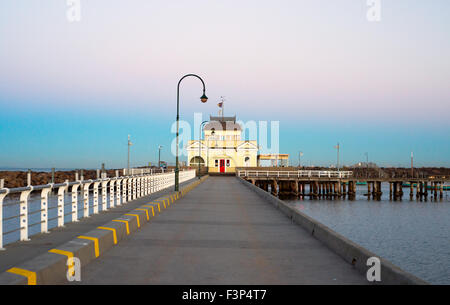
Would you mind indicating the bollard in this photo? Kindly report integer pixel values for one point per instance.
(29, 177)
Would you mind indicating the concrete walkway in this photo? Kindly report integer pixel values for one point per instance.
(220, 233)
(19, 252)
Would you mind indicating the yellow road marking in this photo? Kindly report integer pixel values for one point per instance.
(110, 229)
(156, 202)
(137, 218)
(126, 222)
(164, 202)
(69, 255)
(150, 206)
(146, 212)
(30, 275)
(95, 239)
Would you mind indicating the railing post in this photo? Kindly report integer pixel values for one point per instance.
(111, 193)
(75, 202)
(118, 192)
(23, 220)
(138, 187)
(124, 190)
(44, 209)
(95, 191)
(129, 189)
(61, 191)
(2, 196)
(104, 193)
(86, 198)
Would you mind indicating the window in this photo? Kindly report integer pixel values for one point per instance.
(216, 163)
(228, 162)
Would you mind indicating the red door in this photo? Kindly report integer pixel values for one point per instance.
(222, 166)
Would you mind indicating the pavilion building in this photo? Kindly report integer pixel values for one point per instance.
(222, 150)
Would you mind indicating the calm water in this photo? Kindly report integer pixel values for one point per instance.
(413, 235)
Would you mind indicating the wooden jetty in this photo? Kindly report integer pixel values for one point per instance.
(338, 184)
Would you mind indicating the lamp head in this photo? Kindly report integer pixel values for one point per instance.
(204, 98)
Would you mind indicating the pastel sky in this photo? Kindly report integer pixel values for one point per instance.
(71, 92)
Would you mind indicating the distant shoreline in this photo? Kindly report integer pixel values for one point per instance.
(37, 169)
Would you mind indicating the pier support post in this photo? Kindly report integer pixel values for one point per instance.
(395, 190)
(275, 188)
(294, 186)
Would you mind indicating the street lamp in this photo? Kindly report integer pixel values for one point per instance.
(203, 99)
(159, 156)
(128, 161)
(300, 154)
(367, 164)
(200, 146)
(337, 147)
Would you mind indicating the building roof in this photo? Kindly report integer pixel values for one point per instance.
(222, 123)
(223, 118)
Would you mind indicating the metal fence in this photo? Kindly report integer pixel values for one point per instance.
(100, 194)
(294, 174)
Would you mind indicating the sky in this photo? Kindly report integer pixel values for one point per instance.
(71, 92)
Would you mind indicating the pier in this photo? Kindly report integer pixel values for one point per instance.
(338, 184)
(215, 230)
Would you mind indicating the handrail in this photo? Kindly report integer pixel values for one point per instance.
(121, 190)
(298, 174)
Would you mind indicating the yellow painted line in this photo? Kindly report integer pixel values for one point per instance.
(164, 202)
(95, 239)
(156, 202)
(69, 255)
(30, 275)
(146, 212)
(150, 206)
(110, 229)
(137, 218)
(126, 222)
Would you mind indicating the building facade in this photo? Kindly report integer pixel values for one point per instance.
(222, 149)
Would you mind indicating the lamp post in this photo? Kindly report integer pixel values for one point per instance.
(128, 161)
(367, 164)
(200, 146)
(203, 99)
(159, 156)
(337, 147)
(300, 154)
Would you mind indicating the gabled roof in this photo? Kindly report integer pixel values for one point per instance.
(194, 145)
(247, 145)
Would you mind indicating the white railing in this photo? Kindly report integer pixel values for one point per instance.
(294, 174)
(121, 190)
